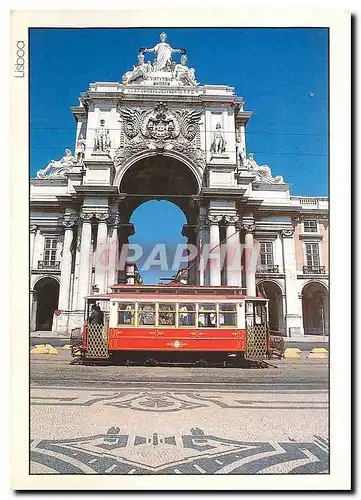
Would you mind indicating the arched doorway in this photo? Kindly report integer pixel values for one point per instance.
(273, 292)
(47, 294)
(162, 190)
(315, 309)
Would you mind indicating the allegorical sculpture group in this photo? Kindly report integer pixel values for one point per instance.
(163, 63)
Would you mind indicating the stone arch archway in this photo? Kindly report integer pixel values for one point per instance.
(45, 302)
(159, 177)
(315, 307)
(273, 292)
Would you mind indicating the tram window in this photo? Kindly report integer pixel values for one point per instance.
(146, 314)
(227, 315)
(207, 316)
(126, 314)
(187, 314)
(166, 315)
(260, 315)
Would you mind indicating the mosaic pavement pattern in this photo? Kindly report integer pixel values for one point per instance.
(171, 401)
(115, 452)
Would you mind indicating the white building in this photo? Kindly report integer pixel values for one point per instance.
(161, 134)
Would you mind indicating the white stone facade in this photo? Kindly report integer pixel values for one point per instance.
(162, 124)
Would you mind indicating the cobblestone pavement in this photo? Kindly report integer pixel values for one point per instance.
(139, 420)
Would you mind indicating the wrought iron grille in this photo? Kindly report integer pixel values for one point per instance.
(257, 340)
(48, 264)
(314, 270)
(274, 269)
(97, 342)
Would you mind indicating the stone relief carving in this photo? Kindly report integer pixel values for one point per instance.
(102, 140)
(57, 169)
(163, 71)
(218, 145)
(160, 128)
(262, 173)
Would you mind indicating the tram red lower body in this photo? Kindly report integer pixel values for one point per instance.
(156, 339)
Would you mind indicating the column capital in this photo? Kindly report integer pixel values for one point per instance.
(114, 220)
(214, 219)
(33, 228)
(69, 222)
(231, 220)
(102, 216)
(287, 233)
(86, 216)
(249, 227)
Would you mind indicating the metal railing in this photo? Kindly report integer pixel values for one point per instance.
(49, 264)
(272, 269)
(314, 270)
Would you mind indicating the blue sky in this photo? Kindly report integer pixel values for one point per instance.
(281, 73)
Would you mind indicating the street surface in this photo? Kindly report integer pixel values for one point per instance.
(178, 420)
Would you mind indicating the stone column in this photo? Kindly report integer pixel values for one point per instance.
(113, 251)
(214, 256)
(233, 254)
(65, 270)
(84, 266)
(102, 251)
(202, 223)
(294, 326)
(250, 259)
(33, 230)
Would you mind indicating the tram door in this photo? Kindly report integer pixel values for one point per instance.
(257, 329)
(97, 332)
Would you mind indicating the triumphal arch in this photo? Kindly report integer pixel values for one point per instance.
(160, 134)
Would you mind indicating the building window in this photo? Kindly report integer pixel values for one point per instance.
(312, 255)
(266, 255)
(50, 247)
(310, 226)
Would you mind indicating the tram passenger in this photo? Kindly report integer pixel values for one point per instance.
(96, 316)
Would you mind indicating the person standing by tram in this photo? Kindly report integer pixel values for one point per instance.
(96, 316)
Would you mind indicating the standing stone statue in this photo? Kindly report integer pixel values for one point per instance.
(80, 149)
(218, 145)
(102, 138)
(163, 51)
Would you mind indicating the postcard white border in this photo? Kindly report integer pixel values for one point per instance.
(340, 77)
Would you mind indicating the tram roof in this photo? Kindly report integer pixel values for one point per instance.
(181, 290)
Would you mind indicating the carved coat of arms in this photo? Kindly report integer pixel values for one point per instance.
(160, 128)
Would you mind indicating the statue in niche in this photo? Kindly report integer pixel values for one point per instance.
(218, 145)
(163, 51)
(102, 138)
(80, 149)
(57, 168)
